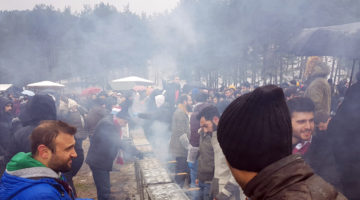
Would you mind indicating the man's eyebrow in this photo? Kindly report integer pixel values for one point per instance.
(70, 147)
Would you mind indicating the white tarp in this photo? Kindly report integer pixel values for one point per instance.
(28, 92)
(128, 83)
(132, 79)
(4, 87)
(45, 84)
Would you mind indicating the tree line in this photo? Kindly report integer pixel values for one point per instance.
(216, 42)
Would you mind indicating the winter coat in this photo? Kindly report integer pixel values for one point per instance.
(105, 144)
(290, 178)
(28, 179)
(78, 120)
(319, 92)
(180, 126)
(95, 114)
(321, 159)
(195, 124)
(40, 107)
(222, 175)
(318, 89)
(206, 158)
(343, 130)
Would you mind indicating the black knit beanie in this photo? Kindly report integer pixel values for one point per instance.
(255, 129)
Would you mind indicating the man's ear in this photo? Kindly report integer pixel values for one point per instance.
(216, 120)
(43, 151)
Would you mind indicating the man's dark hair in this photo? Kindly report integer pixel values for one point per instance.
(208, 113)
(46, 133)
(202, 97)
(300, 104)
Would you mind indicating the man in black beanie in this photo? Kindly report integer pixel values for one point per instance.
(255, 134)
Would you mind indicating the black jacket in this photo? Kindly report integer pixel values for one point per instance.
(344, 139)
(40, 107)
(105, 144)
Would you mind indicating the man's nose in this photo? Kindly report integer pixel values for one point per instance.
(73, 154)
(308, 125)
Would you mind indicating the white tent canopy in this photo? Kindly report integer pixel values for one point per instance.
(45, 84)
(132, 79)
(4, 87)
(128, 83)
(28, 92)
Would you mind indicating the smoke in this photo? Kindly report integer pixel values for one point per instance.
(161, 139)
(237, 39)
(230, 41)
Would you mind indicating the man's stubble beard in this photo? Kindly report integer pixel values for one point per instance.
(59, 167)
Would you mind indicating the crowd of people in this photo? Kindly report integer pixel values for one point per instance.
(269, 142)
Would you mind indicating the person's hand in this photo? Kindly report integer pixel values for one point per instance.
(197, 181)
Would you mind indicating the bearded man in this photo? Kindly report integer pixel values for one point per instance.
(36, 175)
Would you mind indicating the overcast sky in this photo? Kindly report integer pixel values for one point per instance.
(137, 6)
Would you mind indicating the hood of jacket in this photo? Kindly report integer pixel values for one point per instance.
(23, 172)
(40, 107)
(317, 69)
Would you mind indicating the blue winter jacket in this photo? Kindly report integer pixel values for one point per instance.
(18, 188)
(28, 179)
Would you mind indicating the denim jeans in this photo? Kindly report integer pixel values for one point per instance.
(195, 194)
(102, 183)
(204, 192)
(193, 172)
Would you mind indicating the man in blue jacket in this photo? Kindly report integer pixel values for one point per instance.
(36, 175)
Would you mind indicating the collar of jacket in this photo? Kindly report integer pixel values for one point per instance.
(277, 176)
(35, 172)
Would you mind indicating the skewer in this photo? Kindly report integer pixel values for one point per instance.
(180, 174)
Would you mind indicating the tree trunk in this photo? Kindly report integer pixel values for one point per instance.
(332, 68)
(337, 72)
(302, 66)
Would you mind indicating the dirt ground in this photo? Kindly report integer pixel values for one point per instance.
(123, 181)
